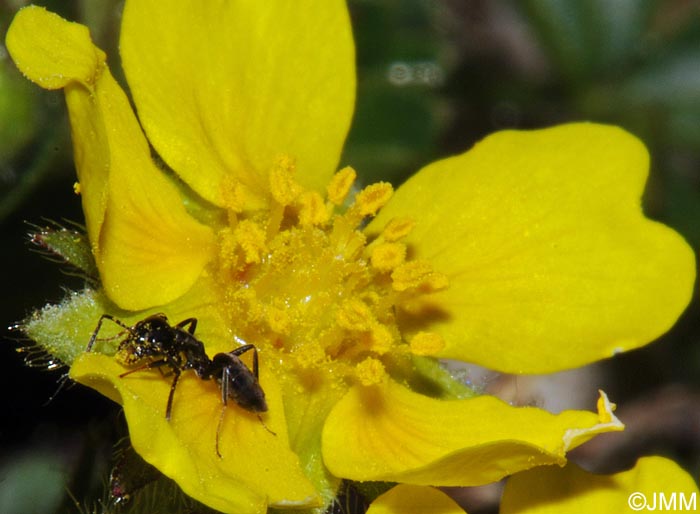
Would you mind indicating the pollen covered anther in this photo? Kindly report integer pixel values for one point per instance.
(372, 198)
(370, 371)
(387, 256)
(340, 185)
(233, 194)
(398, 228)
(418, 274)
(227, 248)
(381, 339)
(283, 187)
(251, 239)
(355, 315)
(312, 209)
(426, 344)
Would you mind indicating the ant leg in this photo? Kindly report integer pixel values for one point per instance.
(148, 365)
(218, 430)
(224, 401)
(158, 364)
(93, 337)
(225, 384)
(255, 363)
(264, 425)
(169, 407)
(192, 322)
(240, 351)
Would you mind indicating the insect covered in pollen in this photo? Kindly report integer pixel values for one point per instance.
(154, 343)
(159, 344)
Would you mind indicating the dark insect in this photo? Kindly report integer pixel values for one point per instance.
(238, 383)
(177, 349)
(164, 345)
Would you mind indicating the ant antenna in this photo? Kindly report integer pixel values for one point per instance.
(265, 426)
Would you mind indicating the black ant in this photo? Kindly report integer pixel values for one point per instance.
(237, 382)
(165, 345)
(177, 348)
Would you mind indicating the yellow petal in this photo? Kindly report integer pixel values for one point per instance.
(654, 484)
(257, 468)
(550, 261)
(52, 52)
(148, 249)
(224, 91)
(389, 433)
(55, 53)
(414, 499)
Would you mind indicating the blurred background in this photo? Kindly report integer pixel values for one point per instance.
(434, 77)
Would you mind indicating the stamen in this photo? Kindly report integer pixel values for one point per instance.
(387, 256)
(227, 249)
(251, 239)
(370, 371)
(312, 356)
(372, 198)
(283, 187)
(312, 209)
(354, 315)
(340, 185)
(418, 274)
(381, 339)
(427, 343)
(233, 194)
(398, 228)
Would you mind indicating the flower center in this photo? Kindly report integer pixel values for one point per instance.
(300, 279)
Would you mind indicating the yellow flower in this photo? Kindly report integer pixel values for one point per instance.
(527, 254)
(414, 499)
(655, 483)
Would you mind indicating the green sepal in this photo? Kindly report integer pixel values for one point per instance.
(67, 246)
(63, 330)
(427, 376)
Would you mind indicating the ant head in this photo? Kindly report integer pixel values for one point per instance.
(154, 320)
(150, 326)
